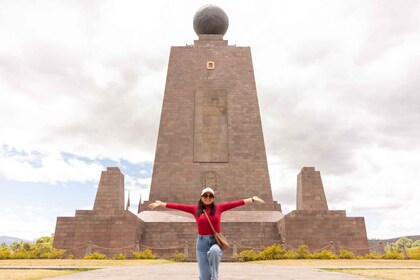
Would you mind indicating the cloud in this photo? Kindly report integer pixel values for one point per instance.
(49, 168)
(20, 218)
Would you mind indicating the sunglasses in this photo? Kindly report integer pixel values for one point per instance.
(208, 195)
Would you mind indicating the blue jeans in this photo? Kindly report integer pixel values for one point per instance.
(208, 257)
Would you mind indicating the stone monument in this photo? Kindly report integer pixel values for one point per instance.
(317, 227)
(108, 228)
(210, 135)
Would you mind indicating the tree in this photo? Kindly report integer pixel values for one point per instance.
(416, 243)
(404, 242)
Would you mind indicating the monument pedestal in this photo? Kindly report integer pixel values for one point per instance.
(92, 231)
(107, 229)
(168, 231)
(330, 229)
(317, 227)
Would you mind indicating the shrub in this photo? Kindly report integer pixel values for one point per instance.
(20, 255)
(303, 252)
(70, 256)
(324, 254)
(290, 255)
(414, 253)
(119, 256)
(393, 255)
(56, 254)
(346, 254)
(271, 253)
(5, 252)
(179, 257)
(146, 254)
(247, 255)
(373, 256)
(95, 256)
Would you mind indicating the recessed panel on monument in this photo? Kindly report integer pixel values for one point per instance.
(211, 125)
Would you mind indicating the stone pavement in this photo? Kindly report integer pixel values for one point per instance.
(228, 271)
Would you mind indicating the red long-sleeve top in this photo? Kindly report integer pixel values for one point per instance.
(203, 225)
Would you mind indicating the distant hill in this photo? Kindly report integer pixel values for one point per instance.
(7, 240)
(393, 240)
(374, 243)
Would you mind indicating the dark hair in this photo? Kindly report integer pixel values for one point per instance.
(201, 207)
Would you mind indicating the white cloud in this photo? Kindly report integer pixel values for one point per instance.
(137, 187)
(17, 219)
(49, 168)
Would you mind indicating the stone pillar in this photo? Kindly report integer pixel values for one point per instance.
(110, 195)
(186, 249)
(235, 248)
(310, 190)
(89, 248)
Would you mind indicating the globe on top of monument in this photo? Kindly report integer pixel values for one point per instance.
(210, 19)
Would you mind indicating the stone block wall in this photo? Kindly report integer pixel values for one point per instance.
(106, 234)
(244, 230)
(169, 238)
(317, 229)
(202, 109)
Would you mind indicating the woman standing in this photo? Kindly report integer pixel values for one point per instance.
(208, 252)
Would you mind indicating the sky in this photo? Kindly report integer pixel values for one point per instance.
(82, 83)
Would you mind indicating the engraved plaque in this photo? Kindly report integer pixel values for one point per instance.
(210, 125)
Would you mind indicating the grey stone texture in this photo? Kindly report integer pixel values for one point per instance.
(210, 19)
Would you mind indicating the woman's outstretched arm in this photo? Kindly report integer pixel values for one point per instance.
(182, 207)
(233, 204)
(156, 204)
(253, 199)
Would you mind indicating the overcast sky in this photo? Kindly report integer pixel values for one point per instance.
(82, 83)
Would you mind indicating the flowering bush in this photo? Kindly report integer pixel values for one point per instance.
(273, 252)
(247, 255)
(95, 256)
(324, 254)
(146, 254)
(346, 254)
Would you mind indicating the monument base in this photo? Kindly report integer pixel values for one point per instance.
(330, 229)
(94, 231)
(169, 232)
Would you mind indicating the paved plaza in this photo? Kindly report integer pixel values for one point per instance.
(228, 271)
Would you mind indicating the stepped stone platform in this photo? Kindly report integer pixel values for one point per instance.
(244, 230)
(317, 227)
(107, 229)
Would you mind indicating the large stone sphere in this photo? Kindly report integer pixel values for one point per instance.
(210, 19)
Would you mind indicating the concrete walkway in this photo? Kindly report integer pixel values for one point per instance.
(228, 271)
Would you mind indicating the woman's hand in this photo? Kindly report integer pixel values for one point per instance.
(257, 199)
(157, 203)
(253, 199)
